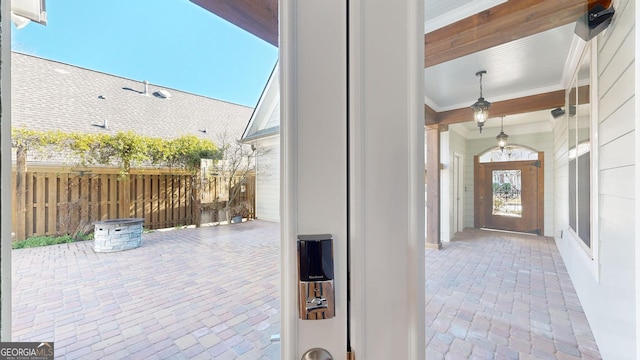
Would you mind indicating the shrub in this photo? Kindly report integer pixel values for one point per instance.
(37, 241)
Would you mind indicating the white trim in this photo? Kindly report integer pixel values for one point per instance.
(415, 254)
(589, 255)
(575, 53)
(5, 174)
(266, 99)
(357, 176)
(445, 187)
(288, 179)
(459, 13)
(637, 167)
(459, 173)
(595, 160)
(430, 103)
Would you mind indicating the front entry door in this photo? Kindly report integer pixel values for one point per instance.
(509, 195)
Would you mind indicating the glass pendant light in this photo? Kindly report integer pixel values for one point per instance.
(481, 107)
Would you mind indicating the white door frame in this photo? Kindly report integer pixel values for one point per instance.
(5, 175)
(385, 118)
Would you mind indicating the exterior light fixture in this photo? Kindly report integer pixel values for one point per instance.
(481, 107)
(502, 137)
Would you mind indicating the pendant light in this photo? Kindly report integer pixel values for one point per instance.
(502, 137)
(481, 107)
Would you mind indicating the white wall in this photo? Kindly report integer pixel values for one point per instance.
(450, 142)
(610, 304)
(538, 141)
(268, 179)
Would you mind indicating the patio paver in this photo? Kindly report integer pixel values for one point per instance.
(213, 292)
(505, 296)
(189, 293)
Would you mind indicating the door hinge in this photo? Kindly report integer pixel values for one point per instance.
(537, 164)
(351, 355)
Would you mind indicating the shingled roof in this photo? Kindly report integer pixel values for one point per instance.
(50, 95)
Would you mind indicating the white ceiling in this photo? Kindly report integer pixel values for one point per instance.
(528, 66)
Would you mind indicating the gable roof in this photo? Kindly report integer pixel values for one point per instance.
(265, 120)
(50, 95)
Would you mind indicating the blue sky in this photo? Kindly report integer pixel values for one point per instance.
(175, 44)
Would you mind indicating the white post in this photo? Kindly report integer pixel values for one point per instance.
(5, 173)
(387, 179)
(373, 87)
(313, 62)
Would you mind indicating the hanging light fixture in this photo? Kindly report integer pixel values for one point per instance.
(502, 137)
(481, 107)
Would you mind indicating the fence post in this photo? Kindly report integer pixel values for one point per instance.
(196, 191)
(21, 192)
(126, 191)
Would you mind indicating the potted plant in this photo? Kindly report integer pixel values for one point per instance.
(238, 211)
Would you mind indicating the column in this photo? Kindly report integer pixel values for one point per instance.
(5, 173)
(433, 187)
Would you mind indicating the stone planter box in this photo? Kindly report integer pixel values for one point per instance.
(117, 234)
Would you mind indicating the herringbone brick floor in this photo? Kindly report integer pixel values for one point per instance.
(213, 292)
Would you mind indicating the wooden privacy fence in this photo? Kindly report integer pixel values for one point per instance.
(53, 203)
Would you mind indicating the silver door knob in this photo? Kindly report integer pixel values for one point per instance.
(317, 354)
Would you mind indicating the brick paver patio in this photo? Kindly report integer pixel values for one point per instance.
(494, 295)
(201, 293)
(213, 292)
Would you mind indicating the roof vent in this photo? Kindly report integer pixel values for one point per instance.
(146, 88)
(163, 94)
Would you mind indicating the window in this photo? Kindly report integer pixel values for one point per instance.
(580, 150)
(507, 193)
(510, 153)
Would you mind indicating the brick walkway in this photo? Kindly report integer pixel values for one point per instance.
(186, 294)
(214, 293)
(493, 295)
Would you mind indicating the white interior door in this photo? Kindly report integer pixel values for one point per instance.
(458, 193)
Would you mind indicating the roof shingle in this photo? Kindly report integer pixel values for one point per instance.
(49, 95)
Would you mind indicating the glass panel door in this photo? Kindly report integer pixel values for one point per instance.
(507, 193)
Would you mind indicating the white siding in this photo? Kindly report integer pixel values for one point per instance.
(609, 302)
(268, 180)
(538, 141)
(274, 118)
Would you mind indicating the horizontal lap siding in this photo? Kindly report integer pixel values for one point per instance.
(268, 183)
(615, 328)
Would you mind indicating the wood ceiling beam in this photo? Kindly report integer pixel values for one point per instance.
(498, 25)
(509, 21)
(522, 105)
(259, 17)
(430, 115)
